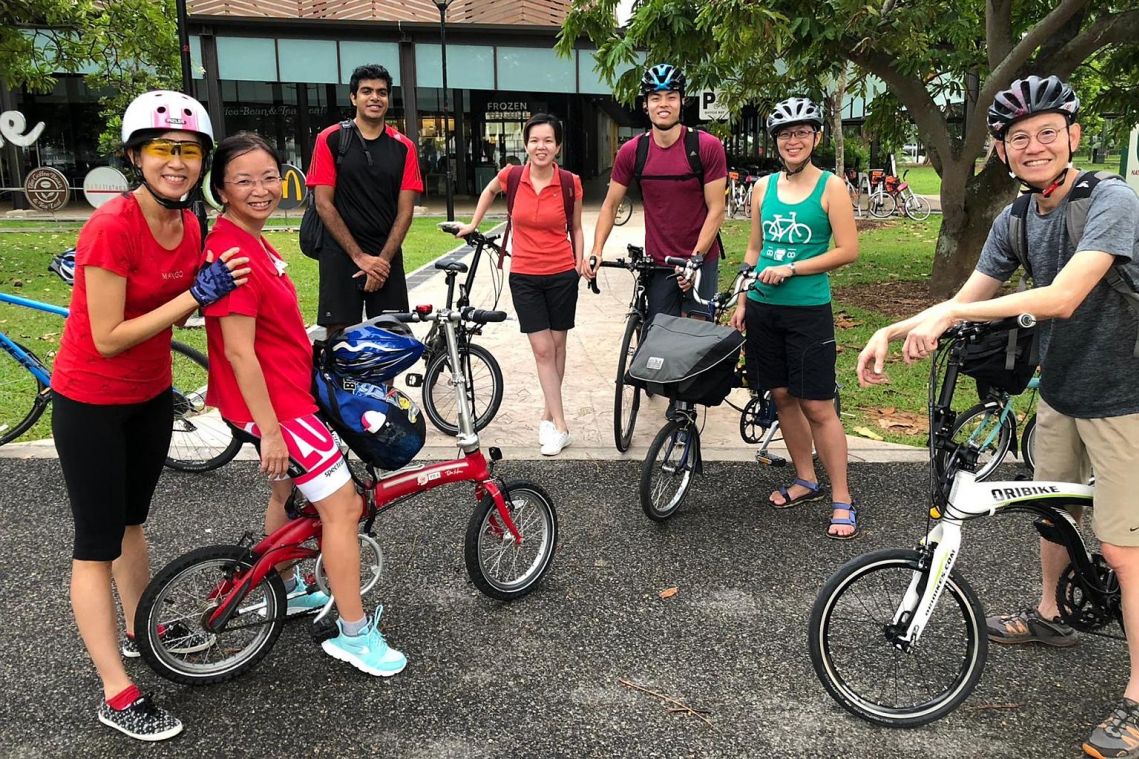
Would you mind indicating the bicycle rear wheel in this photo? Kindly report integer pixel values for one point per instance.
(484, 389)
(986, 429)
(23, 397)
(666, 472)
(183, 595)
(850, 636)
(882, 205)
(626, 398)
(499, 566)
(201, 440)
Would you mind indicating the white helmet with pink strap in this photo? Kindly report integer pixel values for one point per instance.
(167, 111)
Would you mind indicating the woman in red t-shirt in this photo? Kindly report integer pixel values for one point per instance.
(544, 263)
(137, 273)
(261, 379)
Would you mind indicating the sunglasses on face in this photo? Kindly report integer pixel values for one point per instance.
(165, 149)
(1045, 136)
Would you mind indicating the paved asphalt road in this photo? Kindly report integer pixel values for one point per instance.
(542, 677)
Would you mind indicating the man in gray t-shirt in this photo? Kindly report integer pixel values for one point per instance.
(1089, 410)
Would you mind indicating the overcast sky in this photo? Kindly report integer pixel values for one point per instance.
(623, 10)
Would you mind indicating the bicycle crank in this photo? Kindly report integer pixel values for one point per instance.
(1087, 608)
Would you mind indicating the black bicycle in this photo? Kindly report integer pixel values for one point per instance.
(626, 397)
(480, 368)
(897, 637)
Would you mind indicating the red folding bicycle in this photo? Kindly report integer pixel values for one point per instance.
(214, 613)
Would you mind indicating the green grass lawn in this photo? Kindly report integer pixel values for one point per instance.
(24, 257)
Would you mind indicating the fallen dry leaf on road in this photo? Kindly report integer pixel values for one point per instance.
(669, 592)
(865, 432)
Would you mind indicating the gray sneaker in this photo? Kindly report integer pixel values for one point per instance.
(142, 720)
(1027, 626)
(1118, 735)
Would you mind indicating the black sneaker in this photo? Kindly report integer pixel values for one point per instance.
(1028, 626)
(177, 638)
(142, 720)
(1118, 735)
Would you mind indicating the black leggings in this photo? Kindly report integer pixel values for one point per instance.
(111, 458)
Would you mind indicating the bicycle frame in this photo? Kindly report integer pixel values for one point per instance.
(26, 359)
(969, 499)
(286, 544)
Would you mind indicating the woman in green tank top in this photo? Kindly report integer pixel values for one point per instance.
(787, 314)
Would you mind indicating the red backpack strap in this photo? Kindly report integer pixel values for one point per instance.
(566, 178)
(513, 179)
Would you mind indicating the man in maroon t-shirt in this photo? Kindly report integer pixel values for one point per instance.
(683, 211)
(365, 199)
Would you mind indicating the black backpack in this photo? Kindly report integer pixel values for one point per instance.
(311, 236)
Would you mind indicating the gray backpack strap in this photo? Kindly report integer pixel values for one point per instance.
(1018, 236)
(1075, 220)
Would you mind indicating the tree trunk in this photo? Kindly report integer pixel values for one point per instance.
(837, 99)
(968, 208)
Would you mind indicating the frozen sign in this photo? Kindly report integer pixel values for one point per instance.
(12, 126)
(507, 110)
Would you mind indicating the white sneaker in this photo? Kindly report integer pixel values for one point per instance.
(555, 443)
(546, 429)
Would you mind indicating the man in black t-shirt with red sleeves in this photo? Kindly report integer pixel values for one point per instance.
(365, 197)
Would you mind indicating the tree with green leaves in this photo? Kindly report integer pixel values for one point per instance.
(926, 52)
(124, 47)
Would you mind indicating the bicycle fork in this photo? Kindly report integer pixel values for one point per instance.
(927, 584)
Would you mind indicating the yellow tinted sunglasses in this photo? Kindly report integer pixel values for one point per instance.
(165, 149)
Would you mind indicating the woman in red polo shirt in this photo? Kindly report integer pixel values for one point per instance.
(137, 273)
(261, 379)
(543, 263)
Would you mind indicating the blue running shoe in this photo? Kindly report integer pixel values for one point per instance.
(301, 601)
(367, 652)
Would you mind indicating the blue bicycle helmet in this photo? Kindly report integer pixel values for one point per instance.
(373, 352)
(663, 77)
(64, 266)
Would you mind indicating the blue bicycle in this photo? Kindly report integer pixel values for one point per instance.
(990, 429)
(200, 441)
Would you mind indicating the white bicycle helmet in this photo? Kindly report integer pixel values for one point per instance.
(794, 111)
(165, 110)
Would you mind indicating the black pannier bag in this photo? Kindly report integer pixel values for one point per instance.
(1004, 360)
(687, 360)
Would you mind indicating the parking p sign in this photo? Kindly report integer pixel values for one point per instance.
(712, 107)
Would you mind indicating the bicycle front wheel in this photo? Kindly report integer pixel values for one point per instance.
(201, 439)
(23, 397)
(484, 389)
(626, 397)
(918, 208)
(666, 472)
(882, 205)
(1028, 444)
(851, 633)
(500, 566)
(987, 429)
(168, 622)
(624, 211)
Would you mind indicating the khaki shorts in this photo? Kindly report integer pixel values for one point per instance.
(1069, 449)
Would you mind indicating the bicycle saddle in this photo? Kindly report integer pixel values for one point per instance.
(457, 266)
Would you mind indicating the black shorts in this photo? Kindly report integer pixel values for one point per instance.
(342, 298)
(791, 347)
(111, 458)
(545, 301)
(666, 297)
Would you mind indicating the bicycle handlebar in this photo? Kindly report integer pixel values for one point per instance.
(966, 330)
(468, 314)
(474, 238)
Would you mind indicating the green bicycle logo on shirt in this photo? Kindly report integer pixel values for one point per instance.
(786, 229)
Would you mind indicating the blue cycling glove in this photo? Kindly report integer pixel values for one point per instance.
(214, 282)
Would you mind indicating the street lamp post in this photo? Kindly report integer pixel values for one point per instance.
(442, 5)
(184, 47)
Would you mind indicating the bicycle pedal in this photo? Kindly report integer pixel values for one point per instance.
(1047, 530)
(324, 629)
(770, 459)
(413, 380)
